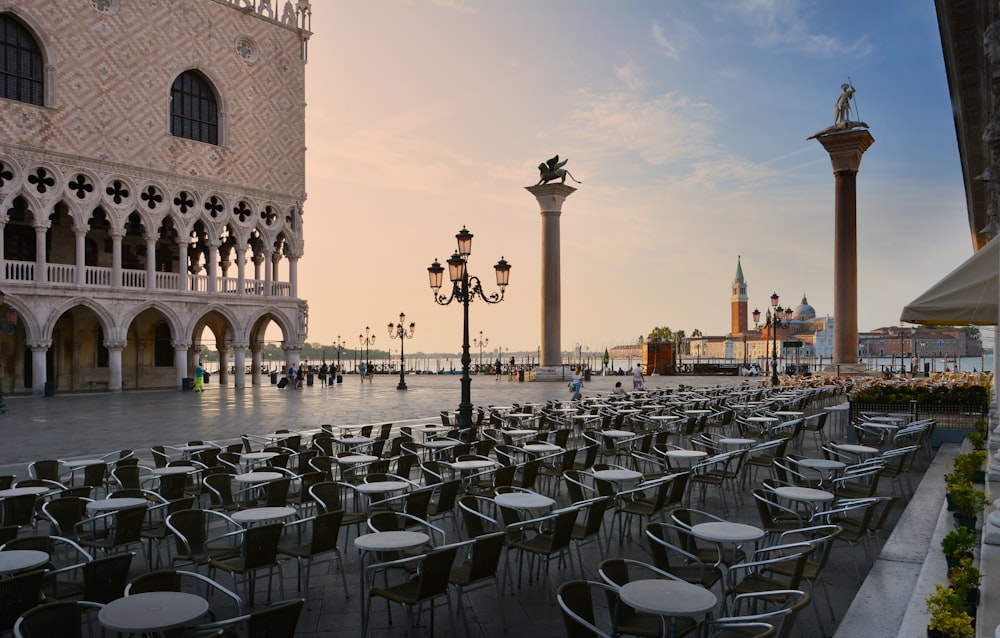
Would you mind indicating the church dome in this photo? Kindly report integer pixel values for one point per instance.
(804, 312)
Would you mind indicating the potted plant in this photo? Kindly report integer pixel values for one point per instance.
(977, 438)
(964, 579)
(948, 616)
(970, 464)
(956, 545)
(969, 501)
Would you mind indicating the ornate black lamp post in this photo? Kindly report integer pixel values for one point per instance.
(480, 343)
(339, 345)
(465, 288)
(400, 332)
(8, 321)
(367, 340)
(774, 323)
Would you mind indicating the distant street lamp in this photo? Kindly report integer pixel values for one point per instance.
(400, 332)
(464, 289)
(339, 345)
(774, 323)
(480, 343)
(367, 340)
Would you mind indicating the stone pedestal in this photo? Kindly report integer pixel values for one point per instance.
(552, 373)
(845, 149)
(550, 199)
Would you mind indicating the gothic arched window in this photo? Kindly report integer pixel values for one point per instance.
(194, 111)
(21, 66)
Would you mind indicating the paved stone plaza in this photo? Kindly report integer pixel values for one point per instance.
(82, 426)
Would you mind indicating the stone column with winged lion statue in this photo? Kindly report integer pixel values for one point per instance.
(550, 198)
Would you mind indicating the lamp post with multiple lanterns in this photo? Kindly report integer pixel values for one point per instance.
(774, 323)
(480, 343)
(400, 332)
(367, 340)
(464, 289)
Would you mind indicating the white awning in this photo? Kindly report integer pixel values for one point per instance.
(966, 296)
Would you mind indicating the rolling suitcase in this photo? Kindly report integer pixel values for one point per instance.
(282, 383)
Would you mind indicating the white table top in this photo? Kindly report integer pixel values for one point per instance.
(667, 597)
(16, 560)
(390, 541)
(519, 432)
(173, 469)
(152, 611)
(81, 463)
(196, 448)
(795, 493)
(540, 447)
(354, 440)
(726, 532)
(790, 413)
(257, 456)
(665, 417)
(23, 491)
(617, 475)
(257, 477)
(856, 449)
(523, 500)
(355, 459)
(112, 504)
(617, 434)
(737, 442)
(262, 514)
(762, 419)
(822, 464)
(376, 487)
(685, 454)
(437, 444)
(474, 464)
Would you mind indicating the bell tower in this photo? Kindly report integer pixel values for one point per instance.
(739, 301)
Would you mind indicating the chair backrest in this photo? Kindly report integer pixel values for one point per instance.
(127, 476)
(220, 489)
(172, 486)
(127, 526)
(65, 513)
(59, 618)
(190, 529)
(260, 545)
(47, 469)
(278, 621)
(276, 492)
(476, 521)
(104, 579)
(486, 552)
(327, 496)
(18, 510)
(18, 594)
(434, 572)
(94, 474)
(577, 607)
(325, 531)
(418, 501)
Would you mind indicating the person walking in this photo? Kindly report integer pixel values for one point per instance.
(362, 371)
(637, 378)
(497, 368)
(199, 378)
(577, 383)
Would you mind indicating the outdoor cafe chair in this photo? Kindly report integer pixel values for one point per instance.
(279, 620)
(576, 604)
(317, 544)
(178, 580)
(668, 555)
(629, 621)
(428, 583)
(761, 572)
(479, 569)
(258, 550)
(544, 538)
(196, 536)
(66, 619)
(822, 537)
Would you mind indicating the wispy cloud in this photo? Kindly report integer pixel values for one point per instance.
(665, 43)
(460, 6)
(784, 24)
(681, 35)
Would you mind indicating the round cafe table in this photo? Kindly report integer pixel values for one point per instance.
(541, 448)
(153, 611)
(720, 532)
(22, 491)
(523, 501)
(687, 456)
(257, 477)
(253, 515)
(804, 494)
(861, 451)
(471, 465)
(173, 469)
(667, 599)
(113, 504)
(617, 476)
(17, 560)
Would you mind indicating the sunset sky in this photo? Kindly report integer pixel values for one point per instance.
(685, 121)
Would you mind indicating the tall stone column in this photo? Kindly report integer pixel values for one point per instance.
(845, 149)
(39, 364)
(550, 199)
(181, 349)
(239, 364)
(115, 347)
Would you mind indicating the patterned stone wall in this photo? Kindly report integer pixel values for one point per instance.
(110, 73)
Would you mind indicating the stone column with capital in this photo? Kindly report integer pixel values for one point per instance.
(845, 148)
(239, 364)
(39, 366)
(115, 347)
(181, 349)
(550, 199)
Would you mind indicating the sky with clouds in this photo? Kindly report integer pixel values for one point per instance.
(687, 123)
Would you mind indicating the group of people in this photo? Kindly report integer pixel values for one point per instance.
(366, 371)
(638, 381)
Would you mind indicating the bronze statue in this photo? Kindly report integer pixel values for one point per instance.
(553, 169)
(842, 113)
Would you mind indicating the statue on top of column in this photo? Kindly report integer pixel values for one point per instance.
(553, 169)
(842, 113)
